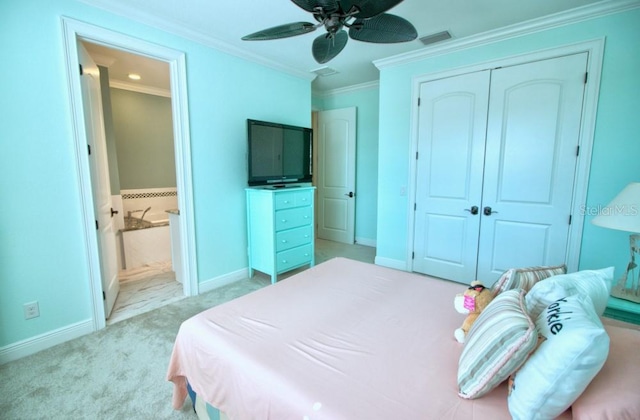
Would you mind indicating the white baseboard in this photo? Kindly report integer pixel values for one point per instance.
(223, 280)
(44, 341)
(366, 242)
(388, 262)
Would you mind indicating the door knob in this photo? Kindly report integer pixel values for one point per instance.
(488, 211)
(113, 211)
(472, 210)
(351, 194)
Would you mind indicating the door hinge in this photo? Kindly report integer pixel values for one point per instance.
(577, 150)
(418, 101)
(415, 206)
(89, 148)
(104, 295)
(586, 77)
(81, 70)
(97, 225)
(570, 217)
(413, 255)
(416, 155)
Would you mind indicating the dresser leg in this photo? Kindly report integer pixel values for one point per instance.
(274, 278)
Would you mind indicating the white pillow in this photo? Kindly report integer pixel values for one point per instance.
(594, 283)
(574, 349)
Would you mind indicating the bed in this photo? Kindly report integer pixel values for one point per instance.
(345, 340)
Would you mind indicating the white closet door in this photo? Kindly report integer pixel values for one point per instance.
(532, 137)
(452, 128)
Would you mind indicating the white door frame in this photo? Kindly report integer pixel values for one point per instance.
(73, 32)
(595, 48)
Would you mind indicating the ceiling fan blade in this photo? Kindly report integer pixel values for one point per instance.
(281, 31)
(368, 8)
(327, 47)
(383, 29)
(313, 5)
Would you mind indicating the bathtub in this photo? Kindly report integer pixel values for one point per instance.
(157, 219)
(146, 241)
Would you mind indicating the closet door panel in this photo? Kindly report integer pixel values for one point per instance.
(452, 127)
(532, 136)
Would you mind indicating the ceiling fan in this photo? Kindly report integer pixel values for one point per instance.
(365, 19)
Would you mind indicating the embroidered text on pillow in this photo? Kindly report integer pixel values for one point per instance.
(555, 316)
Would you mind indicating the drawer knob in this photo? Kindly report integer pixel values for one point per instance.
(284, 220)
(284, 241)
(284, 261)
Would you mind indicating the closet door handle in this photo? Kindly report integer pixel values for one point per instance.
(472, 210)
(488, 211)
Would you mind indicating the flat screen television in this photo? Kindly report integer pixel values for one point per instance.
(279, 154)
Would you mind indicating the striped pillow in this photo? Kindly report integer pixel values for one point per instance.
(498, 343)
(525, 278)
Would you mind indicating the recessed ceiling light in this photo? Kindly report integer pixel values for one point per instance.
(134, 76)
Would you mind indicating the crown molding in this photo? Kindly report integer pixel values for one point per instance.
(118, 84)
(347, 89)
(579, 14)
(196, 36)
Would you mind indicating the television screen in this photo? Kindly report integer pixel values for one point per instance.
(278, 153)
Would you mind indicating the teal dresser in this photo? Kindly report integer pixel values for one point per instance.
(280, 229)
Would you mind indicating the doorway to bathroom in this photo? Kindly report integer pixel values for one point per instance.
(138, 125)
(144, 194)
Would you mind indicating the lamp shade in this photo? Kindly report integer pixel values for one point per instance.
(623, 212)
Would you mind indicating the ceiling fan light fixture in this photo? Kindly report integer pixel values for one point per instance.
(437, 37)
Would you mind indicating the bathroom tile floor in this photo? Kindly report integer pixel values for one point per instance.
(143, 289)
(150, 287)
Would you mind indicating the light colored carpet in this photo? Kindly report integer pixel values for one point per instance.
(119, 372)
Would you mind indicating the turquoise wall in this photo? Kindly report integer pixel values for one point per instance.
(366, 102)
(616, 145)
(143, 127)
(41, 254)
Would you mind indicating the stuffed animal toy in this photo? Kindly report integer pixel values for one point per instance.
(471, 302)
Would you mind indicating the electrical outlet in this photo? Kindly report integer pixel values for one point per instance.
(31, 310)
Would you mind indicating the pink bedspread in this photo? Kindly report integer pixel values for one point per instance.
(343, 340)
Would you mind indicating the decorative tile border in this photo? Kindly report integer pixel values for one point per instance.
(149, 195)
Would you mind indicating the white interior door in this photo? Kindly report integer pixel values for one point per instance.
(532, 139)
(452, 129)
(92, 106)
(336, 174)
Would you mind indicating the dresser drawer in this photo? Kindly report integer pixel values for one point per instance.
(293, 218)
(289, 199)
(292, 238)
(285, 200)
(293, 257)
